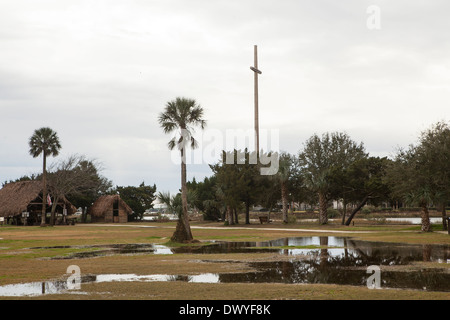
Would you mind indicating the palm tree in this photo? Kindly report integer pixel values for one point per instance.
(44, 141)
(182, 116)
(283, 175)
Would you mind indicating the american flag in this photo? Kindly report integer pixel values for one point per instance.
(49, 200)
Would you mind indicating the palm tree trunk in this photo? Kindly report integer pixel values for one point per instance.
(323, 206)
(344, 210)
(444, 218)
(52, 217)
(236, 216)
(83, 214)
(44, 190)
(183, 230)
(284, 199)
(230, 216)
(247, 212)
(425, 218)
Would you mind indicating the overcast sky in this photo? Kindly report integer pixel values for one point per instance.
(100, 72)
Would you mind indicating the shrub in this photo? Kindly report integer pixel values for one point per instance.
(412, 209)
(333, 213)
(365, 210)
(292, 218)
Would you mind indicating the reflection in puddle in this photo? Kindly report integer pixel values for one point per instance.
(61, 287)
(327, 260)
(373, 252)
(291, 272)
(110, 249)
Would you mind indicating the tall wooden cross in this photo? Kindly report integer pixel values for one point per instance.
(257, 72)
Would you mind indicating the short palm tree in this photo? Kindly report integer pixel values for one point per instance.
(283, 175)
(44, 141)
(182, 116)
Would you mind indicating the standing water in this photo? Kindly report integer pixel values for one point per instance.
(328, 260)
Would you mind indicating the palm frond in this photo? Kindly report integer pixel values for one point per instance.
(44, 140)
(183, 114)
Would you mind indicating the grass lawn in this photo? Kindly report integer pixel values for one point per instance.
(25, 257)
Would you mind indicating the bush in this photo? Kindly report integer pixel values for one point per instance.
(292, 218)
(333, 213)
(412, 209)
(212, 214)
(365, 210)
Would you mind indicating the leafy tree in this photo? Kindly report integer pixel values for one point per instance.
(251, 183)
(182, 116)
(322, 155)
(420, 174)
(229, 184)
(99, 186)
(434, 149)
(138, 198)
(23, 178)
(44, 141)
(206, 200)
(408, 179)
(365, 182)
(239, 182)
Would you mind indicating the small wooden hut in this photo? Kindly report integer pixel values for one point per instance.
(26, 196)
(110, 208)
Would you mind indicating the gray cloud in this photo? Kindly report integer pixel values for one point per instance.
(100, 72)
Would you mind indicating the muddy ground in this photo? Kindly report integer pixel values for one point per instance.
(35, 254)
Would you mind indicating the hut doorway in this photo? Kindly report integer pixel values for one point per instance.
(116, 210)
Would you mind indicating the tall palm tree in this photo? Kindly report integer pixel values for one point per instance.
(44, 141)
(182, 116)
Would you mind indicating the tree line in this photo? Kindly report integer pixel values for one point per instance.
(332, 167)
(329, 167)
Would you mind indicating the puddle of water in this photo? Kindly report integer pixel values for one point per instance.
(296, 271)
(336, 260)
(110, 249)
(40, 288)
(367, 251)
(60, 286)
(370, 252)
(332, 272)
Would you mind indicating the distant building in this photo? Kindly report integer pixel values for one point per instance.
(110, 208)
(22, 202)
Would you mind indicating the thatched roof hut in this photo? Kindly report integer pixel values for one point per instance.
(21, 196)
(110, 208)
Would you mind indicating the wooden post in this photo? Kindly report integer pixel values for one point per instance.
(257, 72)
(256, 102)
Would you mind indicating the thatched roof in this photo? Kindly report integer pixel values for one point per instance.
(15, 197)
(104, 205)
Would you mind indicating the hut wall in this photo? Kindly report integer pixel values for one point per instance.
(109, 216)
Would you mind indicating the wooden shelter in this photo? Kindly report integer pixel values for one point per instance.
(110, 208)
(22, 202)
